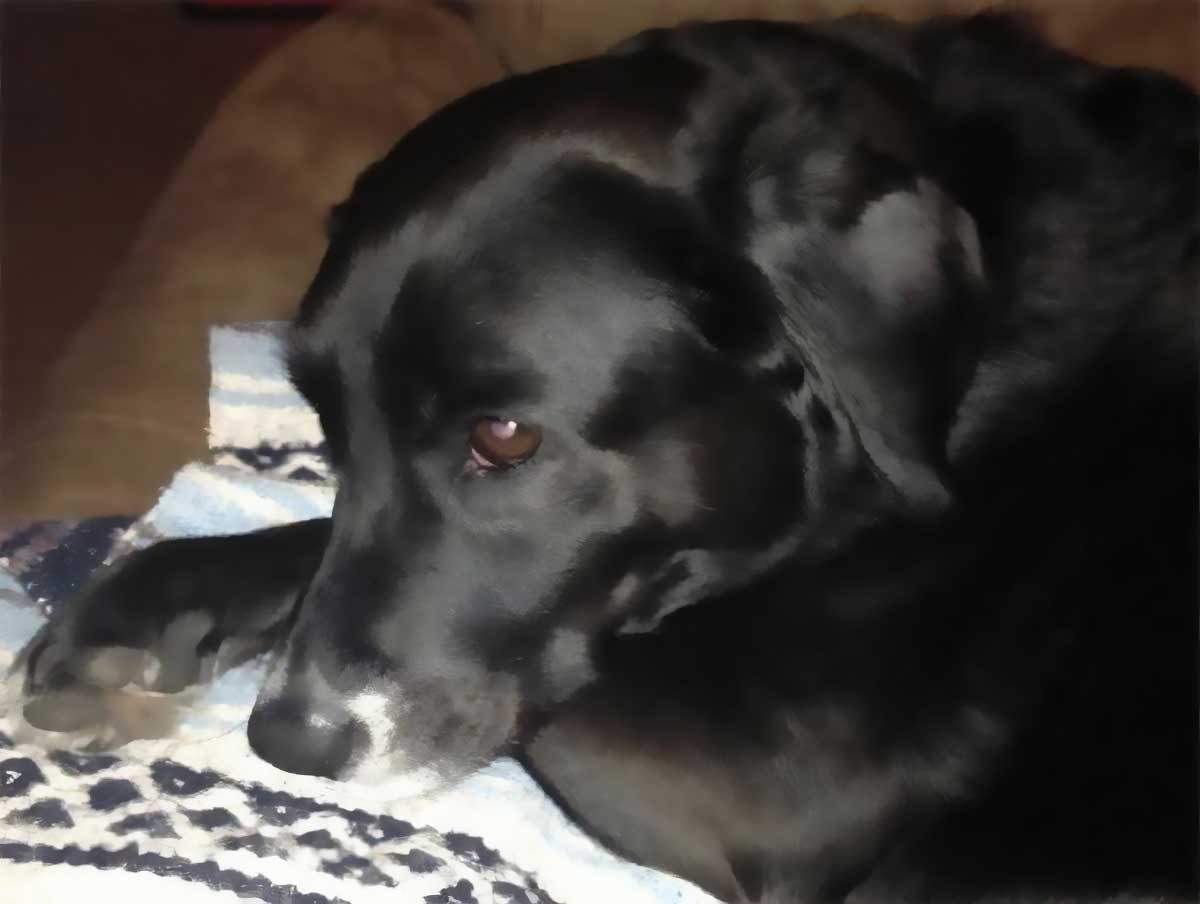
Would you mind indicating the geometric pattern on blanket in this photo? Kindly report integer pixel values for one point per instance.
(109, 812)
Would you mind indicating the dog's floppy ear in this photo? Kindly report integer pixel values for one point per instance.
(881, 306)
(873, 271)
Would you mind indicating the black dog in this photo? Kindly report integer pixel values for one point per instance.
(782, 438)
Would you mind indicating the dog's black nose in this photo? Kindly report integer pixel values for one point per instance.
(291, 737)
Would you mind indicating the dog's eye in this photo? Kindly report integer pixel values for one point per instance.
(499, 443)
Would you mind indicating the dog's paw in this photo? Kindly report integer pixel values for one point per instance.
(152, 630)
(101, 694)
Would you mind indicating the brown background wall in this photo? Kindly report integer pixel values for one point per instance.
(99, 99)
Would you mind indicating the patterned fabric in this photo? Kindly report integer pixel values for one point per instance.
(257, 420)
(51, 560)
(110, 812)
(197, 815)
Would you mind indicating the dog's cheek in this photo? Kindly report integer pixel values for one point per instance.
(566, 664)
(668, 481)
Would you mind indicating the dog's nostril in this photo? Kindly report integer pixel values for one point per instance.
(287, 736)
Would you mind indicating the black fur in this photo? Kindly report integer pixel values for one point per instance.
(858, 559)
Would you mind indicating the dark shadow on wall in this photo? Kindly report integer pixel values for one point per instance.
(99, 100)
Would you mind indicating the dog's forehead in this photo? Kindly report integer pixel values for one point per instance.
(530, 321)
(525, 275)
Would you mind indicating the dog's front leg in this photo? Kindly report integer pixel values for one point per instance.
(160, 622)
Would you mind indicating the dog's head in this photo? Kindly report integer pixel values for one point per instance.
(589, 347)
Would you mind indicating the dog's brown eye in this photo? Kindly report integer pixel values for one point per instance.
(500, 443)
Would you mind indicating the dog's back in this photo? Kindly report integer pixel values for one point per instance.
(1079, 428)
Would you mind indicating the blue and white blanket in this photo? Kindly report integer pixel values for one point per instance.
(197, 815)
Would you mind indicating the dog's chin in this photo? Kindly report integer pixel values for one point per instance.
(391, 780)
(424, 781)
